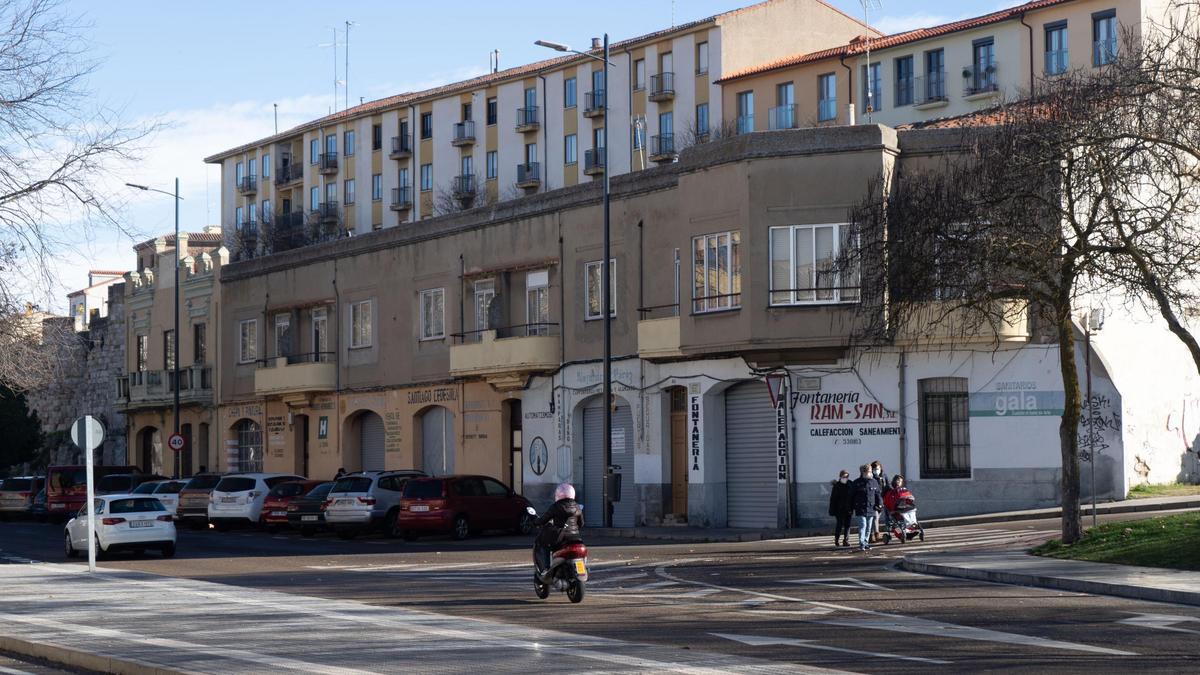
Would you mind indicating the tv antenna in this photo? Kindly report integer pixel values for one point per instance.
(867, 7)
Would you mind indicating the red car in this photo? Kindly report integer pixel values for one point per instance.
(461, 506)
(66, 487)
(275, 506)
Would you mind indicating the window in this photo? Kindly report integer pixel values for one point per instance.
(360, 324)
(252, 213)
(638, 132)
(266, 165)
(377, 187)
(493, 162)
(199, 343)
(804, 265)
(249, 447)
(594, 304)
(433, 314)
(872, 88)
(531, 154)
(143, 347)
(827, 97)
(331, 144)
(745, 112)
(426, 125)
(314, 198)
(935, 75)
(701, 58)
(168, 350)
(570, 149)
(492, 111)
(666, 130)
(283, 334)
(467, 109)
(904, 81)
(983, 67)
(1104, 37)
(702, 120)
(239, 216)
(376, 136)
(348, 191)
(485, 293)
(320, 334)
(570, 92)
(426, 177)
(537, 302)
(1056, 47)
(349, 143)
(253, 164)
(248, 341)
(239, 172)
(313, 151)
(331, 192)
(945, 428)
(639, 74)
(467, 162)
(266, 210)
(716, 272)
(403, 178)
(784, 114)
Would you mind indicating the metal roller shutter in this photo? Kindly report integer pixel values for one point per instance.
(437, 442)
(593, 464)
(371, 441)
(751, 484)
(622, 456)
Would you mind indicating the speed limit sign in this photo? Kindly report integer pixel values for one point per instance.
(175, 442)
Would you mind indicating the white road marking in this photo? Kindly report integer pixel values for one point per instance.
(653, 585)
(839, 582)
(14, 671)
(792, 612)
(761, 641)
(1161, 622)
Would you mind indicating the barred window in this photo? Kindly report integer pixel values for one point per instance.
(945, 428)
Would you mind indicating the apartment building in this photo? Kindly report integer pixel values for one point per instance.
(948, 70)
(146, 388)
(524, 130)
(91, 302)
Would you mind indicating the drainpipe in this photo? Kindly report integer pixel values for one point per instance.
(462, 296)
(903, 384)
(1030, 29)
(849, 90)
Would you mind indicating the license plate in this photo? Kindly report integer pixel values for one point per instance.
(419, 508)
(279, 513)
(228, 500)
(141, 523)
(344, 502)
(580, 567)
(308, 518)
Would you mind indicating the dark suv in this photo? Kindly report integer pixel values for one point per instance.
(461, 506)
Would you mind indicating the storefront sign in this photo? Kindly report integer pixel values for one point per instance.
(618, 439)
(1016, 399)
(434, 395)
(391, 432)
(846, 418)
(782, 425)
(694, 433)
(539, 456)
(323, 427)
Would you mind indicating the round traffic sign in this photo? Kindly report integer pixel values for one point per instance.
(175, 442)
(87, 430)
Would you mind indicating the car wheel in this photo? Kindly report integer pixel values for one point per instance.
(540, 589)
(526, 524)
(168, 550)
(68, 547)
(575, 591)
(462, 529)
(393, 528)
(346, 534)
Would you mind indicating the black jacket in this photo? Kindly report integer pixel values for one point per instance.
(840, 503)
(867, 499)
(560, 523)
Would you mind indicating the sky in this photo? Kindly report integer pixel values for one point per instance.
(211, 73)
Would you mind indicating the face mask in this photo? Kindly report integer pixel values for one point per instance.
(843, 479)
(877, 473)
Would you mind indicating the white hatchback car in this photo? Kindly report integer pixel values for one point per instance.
(360, 501)
(123, 523)
(238, 498)
(167, 492)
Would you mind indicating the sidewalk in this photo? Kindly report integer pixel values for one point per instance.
(1127, 581)
(131, 622)
(732, 534)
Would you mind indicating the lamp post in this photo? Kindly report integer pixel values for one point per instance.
(175, 346)
(605, 267)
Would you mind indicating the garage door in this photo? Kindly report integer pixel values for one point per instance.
(437, 442)
(371, 441)
(750, 456)
(593, 464)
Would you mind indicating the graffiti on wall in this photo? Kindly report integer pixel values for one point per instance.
(1184, 423)
(1099, 425)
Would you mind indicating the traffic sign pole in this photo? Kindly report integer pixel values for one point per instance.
(91, 493)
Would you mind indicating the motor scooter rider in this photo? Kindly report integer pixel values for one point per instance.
(560, 524)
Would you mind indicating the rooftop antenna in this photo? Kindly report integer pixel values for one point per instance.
(336, 82)
(276, 117)
(867, 7)
(672, 13)
(346, 82)
(494, 60)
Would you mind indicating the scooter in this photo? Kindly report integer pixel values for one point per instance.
(567, 572)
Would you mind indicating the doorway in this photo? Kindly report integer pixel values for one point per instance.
(679, 445)
(516, 462)
(300, 427)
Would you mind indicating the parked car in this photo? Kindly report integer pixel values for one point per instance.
(124, 483)
(16, 495)
(38, 510)
(238, 498)
(461, 506)
(66, 487)
(307, 513)
(275, 507)
(123, 523)
(167, 492)
(193, 500)
(366, 500)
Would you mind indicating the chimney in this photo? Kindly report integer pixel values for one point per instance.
(597, 44)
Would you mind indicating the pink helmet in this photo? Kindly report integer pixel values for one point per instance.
(564, 491)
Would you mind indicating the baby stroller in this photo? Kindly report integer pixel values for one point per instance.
(902, 515)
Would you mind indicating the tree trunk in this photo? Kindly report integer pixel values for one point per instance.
(1164, 306)
(1068, 429)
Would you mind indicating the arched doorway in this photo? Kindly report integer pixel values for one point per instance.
(676, 503)
(370, 441)
(750, 456)
(594, 468)
(149, 448)
(437, 441)
(249, 449)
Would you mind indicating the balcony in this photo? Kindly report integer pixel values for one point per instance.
(745, 124)
(465, 186)
(662, 87)
(248, 185)
(931, 90)
(662, 148)
(781, 117)
(288, 173)
(593, 162)
(402, 198)
(506, 357)
(287, 232)
(327, 214)
(146, 389)
(658, 333)
(593, 103)
(401, 147)
(527, 119)
(940, 322)
(464, 134)
(296, 377)
(529, 175)
(979, 81)
(328, 163)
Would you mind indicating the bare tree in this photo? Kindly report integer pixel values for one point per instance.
(694, 135)
(56, 149)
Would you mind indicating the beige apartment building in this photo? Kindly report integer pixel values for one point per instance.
(146, 390)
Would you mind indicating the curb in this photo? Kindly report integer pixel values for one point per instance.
(1056, 583)
(1127, 506)
(77, 658)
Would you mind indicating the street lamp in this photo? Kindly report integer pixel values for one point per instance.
(605, 267)
(175, 359)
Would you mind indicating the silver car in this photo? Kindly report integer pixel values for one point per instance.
(365, 500)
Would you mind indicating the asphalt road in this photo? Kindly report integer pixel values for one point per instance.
(792, 601)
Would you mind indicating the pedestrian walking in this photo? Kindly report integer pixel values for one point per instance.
(868, 502)
(841, 507)
(885, 486)
(340, 472)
